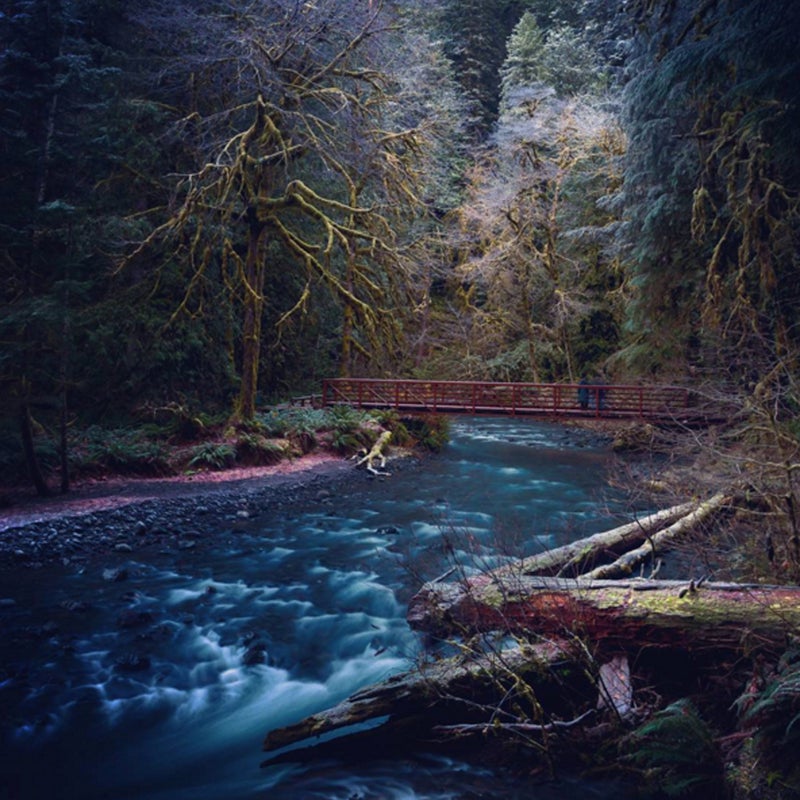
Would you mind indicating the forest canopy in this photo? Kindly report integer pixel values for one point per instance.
(218, 204)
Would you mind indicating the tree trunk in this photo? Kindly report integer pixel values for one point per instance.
(34, 470)
(576, 639)
(614, 615)
(348, 315)
(572, 559)
(625, 564)
(432, 691)
(251, 324)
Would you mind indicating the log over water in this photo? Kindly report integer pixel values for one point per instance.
(433, 691)
(613, 613)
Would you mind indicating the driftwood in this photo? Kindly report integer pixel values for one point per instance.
(430, 691)
(572, 559)
(376, 453)
(614, 614)
(581, 640)
(655, 543)
(710, 623)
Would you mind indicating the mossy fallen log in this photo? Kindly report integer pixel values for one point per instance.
(613, 614)
(434, 692)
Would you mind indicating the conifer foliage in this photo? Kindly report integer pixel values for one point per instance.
(712, 177)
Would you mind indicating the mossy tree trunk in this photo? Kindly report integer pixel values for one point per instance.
(708, 618)
(252, 314)
(31, 460)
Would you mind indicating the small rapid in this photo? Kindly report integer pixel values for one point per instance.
(158, 677)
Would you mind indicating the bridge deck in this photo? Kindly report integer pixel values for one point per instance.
(656, 403)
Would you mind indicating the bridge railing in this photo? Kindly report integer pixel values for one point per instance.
(481, 397)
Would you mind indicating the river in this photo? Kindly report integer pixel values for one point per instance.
(165, 683)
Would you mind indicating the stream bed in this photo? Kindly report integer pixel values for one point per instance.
(156, 672)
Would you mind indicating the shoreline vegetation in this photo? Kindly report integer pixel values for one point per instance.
(178, 454)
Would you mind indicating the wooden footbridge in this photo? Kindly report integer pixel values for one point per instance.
(667, 404)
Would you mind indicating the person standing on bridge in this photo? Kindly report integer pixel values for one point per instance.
(583, 393)
(601, 390)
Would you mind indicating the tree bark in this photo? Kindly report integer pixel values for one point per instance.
(34, 469)
(614, 615)
(432, 691)
(572, 559)
(251, 324)
(625, 564)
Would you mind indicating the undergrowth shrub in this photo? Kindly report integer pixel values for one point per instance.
(431, 431)
(774, 714)
(127, 452)
(390, 419)
(257, 450)
(179, 422)
(213, 455)
(677, 749)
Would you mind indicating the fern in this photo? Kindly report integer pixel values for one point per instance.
(252, 448)
(776, 710)
(124, 451)
(678, 748)
(213, 455)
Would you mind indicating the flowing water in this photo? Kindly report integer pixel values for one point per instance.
(164, 685)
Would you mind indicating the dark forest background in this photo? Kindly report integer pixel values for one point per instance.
(213, 205)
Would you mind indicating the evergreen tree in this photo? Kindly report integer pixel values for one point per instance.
(558, 58)
(475, 34)
(711, 181)
(55, 103)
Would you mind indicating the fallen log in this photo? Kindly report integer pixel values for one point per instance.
(655, 543)
(614, 615)
(576, 628)
(572, 559)
(376, 453)
(432, 690)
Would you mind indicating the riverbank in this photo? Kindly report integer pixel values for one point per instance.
(117, 515)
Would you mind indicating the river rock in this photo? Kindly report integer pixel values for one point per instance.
(115, 574)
